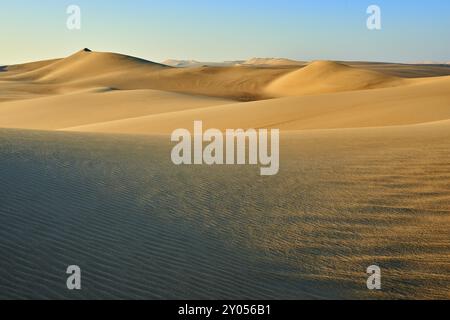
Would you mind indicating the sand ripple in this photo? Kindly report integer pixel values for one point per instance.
(141, 228)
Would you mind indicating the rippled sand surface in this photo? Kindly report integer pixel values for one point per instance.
(140, 227)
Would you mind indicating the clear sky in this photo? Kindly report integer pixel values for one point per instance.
(215, 30)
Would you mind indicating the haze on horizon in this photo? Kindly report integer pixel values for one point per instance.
(217, 31)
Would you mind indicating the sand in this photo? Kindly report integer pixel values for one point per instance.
(363, 108)
(90, 107)
(321, 77)
(86, 179)
(142, 228)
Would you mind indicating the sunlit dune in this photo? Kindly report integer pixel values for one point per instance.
(326, 76)
(108, 92)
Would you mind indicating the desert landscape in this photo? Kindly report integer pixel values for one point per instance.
(86, 178)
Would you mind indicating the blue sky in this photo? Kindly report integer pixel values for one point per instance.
(215, 30)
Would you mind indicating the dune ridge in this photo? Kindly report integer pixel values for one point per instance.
(272, 62)
(366, 108)
(88, 69)
(114, 93)
(326, 76)
(84, 64)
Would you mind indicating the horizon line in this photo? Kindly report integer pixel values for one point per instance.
(424, 62)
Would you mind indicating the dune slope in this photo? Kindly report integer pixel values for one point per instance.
(143, 228)
(94, 106)
(426, 101)
(113, 93)
(84, 64)
(325, 77)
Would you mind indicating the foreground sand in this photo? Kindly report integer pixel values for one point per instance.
(143, 228)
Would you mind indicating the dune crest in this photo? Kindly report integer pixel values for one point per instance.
(425, 101)
(326, 77)
(86, 63)
(95, 106)
(88, 69)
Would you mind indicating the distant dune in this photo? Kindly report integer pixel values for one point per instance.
(182, 63)
(85, 64)
(57, 112)
(255, 62)
(365, 108)
(27, 66)
(431, 62)
(86, 70)
(108, 92)
(403, 70)
(194, 63)
(272, 62)
(326, 76)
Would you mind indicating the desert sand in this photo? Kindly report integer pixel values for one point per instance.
(113, 93)
(86, 176)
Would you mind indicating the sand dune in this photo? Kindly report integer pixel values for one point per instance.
(403, 70)
(27, 66)
(96, 105)
(113, 93)
(143, 228)
(426, 101)
(325, 77)
(182, 63)
(84, 64)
